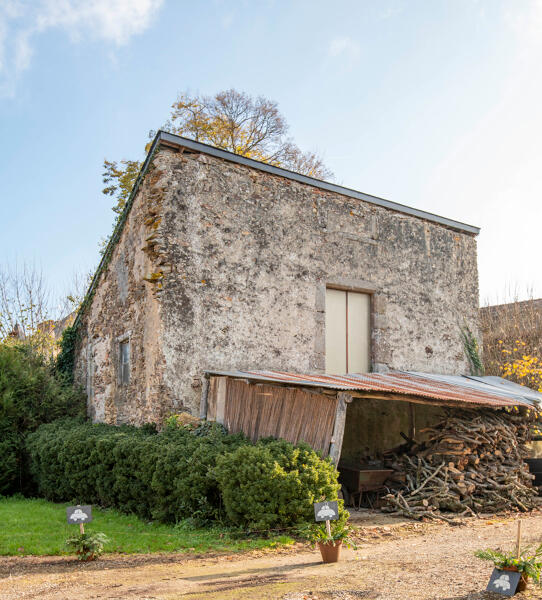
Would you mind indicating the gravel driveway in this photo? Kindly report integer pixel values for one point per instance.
(394, 562)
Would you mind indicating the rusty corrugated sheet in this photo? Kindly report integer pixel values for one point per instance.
(445, 388)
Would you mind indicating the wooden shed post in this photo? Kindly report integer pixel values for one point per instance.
(221, 399)
(204, 397)
(338, 430)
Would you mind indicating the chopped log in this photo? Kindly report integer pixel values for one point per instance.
(470, 462)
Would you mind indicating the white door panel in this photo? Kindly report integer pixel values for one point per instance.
(348, 332)
(358, 320)
(335, 331)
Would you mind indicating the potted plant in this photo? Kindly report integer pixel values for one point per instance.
(87, 546)
(529, 563)
(329, 543)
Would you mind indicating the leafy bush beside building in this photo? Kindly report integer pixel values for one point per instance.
(30, 395)
(200, 473)
(274, 483)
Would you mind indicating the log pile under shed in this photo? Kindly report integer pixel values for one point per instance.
(472, 462)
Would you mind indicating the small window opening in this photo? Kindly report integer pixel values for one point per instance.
(124, 363)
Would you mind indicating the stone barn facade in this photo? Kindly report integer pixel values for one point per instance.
(223, 262)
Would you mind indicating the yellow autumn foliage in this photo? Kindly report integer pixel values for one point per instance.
(520, 366)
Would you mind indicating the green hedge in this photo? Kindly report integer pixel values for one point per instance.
(161, 476)
(180, 473)
(9, 458)
(30, 394)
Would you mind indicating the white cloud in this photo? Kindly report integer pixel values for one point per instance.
(344, 47)
(113, 21)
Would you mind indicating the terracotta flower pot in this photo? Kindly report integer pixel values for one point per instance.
(330, 553)
(522, 585)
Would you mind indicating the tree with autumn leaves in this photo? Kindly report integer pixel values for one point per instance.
(230, 120)
(512, 336)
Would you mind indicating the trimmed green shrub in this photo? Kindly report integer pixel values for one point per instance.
(182, 472)
(102, 464)
(162, 476)
(30, 394)
(9, 451)
(274, 484)
(183, 481)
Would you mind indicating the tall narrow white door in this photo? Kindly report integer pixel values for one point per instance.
(358, 317)
(348, 332)
(336, 331)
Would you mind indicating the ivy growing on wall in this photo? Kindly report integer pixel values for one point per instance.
(65, 361)
(472, 350)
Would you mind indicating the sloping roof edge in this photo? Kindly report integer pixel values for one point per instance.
(182, 142)
(117, 231)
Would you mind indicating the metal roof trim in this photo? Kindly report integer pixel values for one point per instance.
(501, 384)
(324, 185)
(485, 385)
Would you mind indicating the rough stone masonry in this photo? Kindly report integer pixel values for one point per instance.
(222, 265)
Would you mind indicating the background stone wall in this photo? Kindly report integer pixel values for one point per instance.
(222, 266)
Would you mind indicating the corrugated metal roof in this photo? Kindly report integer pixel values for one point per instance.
(465, 390)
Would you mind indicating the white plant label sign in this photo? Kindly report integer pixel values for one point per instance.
(503, 582)
(79, 514)
(326, 511)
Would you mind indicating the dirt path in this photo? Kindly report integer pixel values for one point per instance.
(395, 562)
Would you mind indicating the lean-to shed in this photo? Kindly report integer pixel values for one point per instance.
(338, 414)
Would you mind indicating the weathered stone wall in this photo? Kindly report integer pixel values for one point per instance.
(252, 254)
(125, 307)
(236, 272)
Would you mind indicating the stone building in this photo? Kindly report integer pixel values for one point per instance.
(223, 262)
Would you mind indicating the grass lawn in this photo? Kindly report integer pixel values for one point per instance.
(39, 527)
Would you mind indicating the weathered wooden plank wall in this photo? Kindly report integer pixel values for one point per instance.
(265, 410)
(211, 399)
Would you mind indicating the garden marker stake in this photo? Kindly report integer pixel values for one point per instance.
(79, 514)
(518, 540)
(326, 511)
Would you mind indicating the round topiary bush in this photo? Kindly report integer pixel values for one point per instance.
(274, 483)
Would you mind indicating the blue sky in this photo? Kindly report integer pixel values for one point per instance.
(434, 104)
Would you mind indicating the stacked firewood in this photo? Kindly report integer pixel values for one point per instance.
(470, 463)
